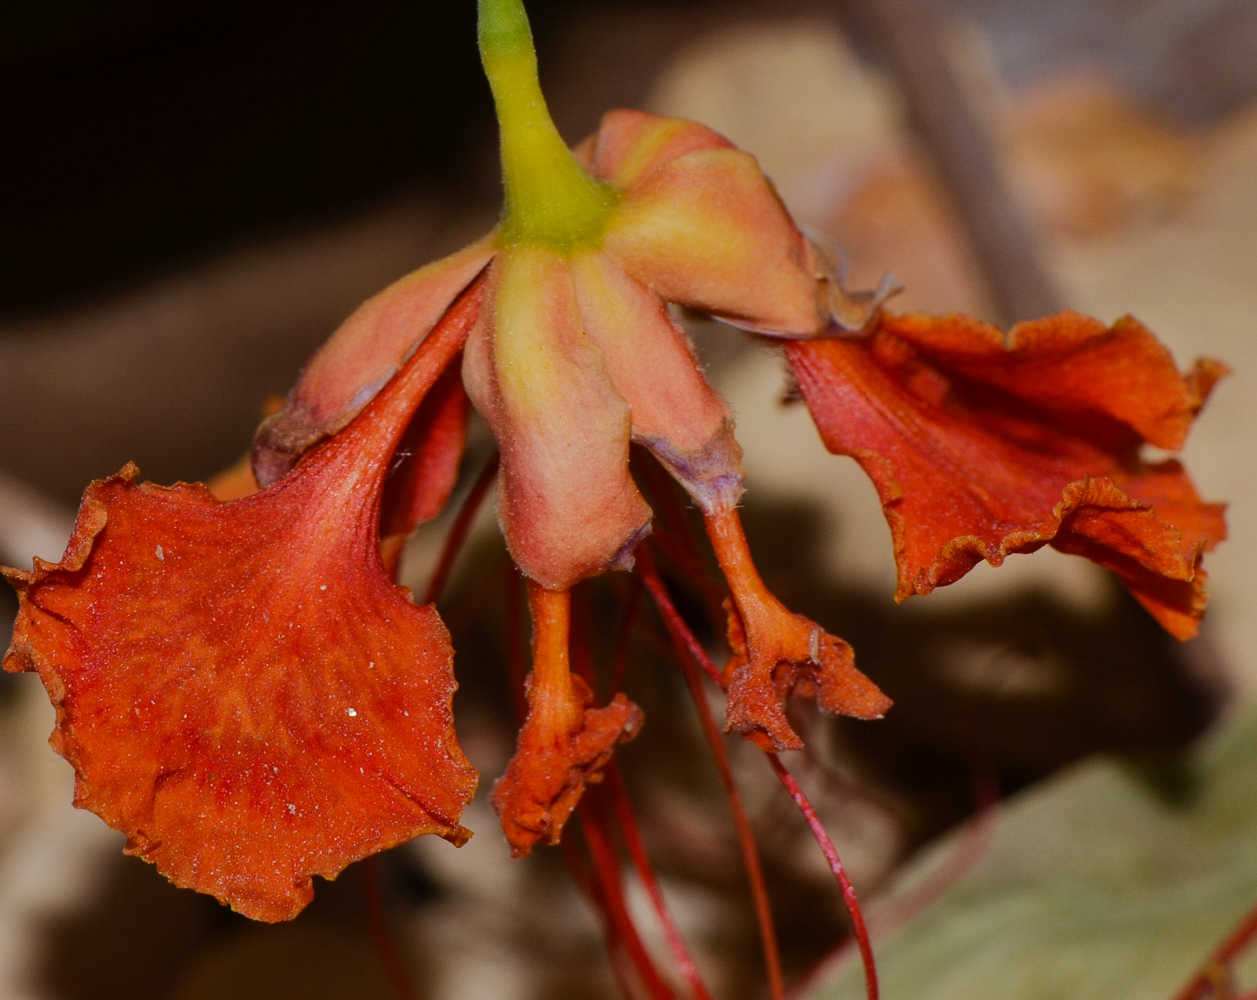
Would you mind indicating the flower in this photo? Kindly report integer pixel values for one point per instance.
(240, 688)
(243, 691)
(573, 357)
(982, 445)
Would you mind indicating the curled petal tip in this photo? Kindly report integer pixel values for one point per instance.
(547, 776)
(778, 655)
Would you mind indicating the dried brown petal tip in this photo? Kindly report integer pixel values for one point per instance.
(564, 743)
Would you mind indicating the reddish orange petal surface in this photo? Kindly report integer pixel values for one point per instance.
(239, 687)
(425, 470)
(979, 449)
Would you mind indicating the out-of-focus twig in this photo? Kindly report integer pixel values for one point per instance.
(913, 35)
(31, 524)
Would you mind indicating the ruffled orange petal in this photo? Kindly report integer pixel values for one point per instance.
(1076, 368)
(361, 356)
(706, 229)
(979, 450)
(674, 412)
(239, 687)
(568, 506)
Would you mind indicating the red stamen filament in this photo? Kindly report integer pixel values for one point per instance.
(633, 844)
(835, 866)
(385, 946)
(610, 895)
(459, 529)
(691, 654)
(1206, 982)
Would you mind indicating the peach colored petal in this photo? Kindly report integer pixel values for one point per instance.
(630, 145)
(239, 687)
(708, 231)
(976, 459)
(361, 356)
(675, 413)
(568, 506)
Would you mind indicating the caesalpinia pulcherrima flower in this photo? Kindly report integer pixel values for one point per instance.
(243, 691)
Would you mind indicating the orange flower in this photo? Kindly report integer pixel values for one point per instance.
(240, 688)
(982, 445)
(244, 693)
(574, 356)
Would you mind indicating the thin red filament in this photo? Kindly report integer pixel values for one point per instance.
(1204, 984)
(835, 866)
(459, 529)
(692, 657)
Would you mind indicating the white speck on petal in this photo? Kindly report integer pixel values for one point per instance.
(160, 553)
(322, 586)
(351, 712)
(292, 809)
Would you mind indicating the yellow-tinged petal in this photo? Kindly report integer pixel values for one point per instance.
(631, 145)
(674, 412)
(708, 231)
(568, 506)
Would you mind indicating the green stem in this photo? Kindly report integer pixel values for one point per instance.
(550, 198)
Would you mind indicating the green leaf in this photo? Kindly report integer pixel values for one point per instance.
(1108, 882)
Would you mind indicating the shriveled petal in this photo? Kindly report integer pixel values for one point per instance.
(548, 773)
(568, 506)
(974, 459)
(565, 742)
(708, 230)
(361, 356)
(239, 687)
(674, 412)
(778, 655)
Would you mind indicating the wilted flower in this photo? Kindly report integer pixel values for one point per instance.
(245, 694)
